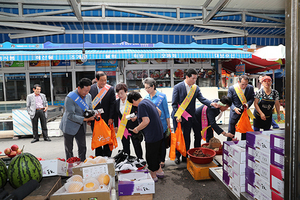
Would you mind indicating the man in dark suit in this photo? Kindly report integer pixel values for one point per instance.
(180, 92)
(106, 103)
(236, 109)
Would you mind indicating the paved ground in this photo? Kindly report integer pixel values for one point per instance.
(177, 184)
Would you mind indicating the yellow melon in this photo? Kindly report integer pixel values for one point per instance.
(75, 178)
(74, 187)
(91, 184)
(103, 179)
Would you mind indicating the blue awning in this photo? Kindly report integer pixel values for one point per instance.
(121, 54)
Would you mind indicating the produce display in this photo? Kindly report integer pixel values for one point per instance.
(3, 174)
(24, 168)
(73, 160)
(199, 153)
(12, 151)
(77, 184)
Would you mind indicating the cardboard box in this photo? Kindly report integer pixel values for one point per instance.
(54, 168)
(61, 194)
(236, 188)
(275, 196)
(238, 153)
(226, 159)
(261, 184)
(238, 179)
(253, 168)
(259, 141)
(135, 183)
(94, 170)
(137, 197)
(277, 159)
(277, 180)
(199, 171)
(225, 177)
(277, 142)
(237, 167)
(258, 156)
(250, 189)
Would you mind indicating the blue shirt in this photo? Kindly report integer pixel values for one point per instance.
(154, 131)
(163, 107)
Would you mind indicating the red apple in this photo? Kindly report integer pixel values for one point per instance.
(7, 151)
(19, 151)
(14, 147)
(12, 154)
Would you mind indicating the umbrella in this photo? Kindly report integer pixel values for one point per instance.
(271, 53)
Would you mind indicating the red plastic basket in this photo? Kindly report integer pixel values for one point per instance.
(220, 152)
(200, 160)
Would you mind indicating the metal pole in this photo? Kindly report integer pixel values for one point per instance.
(292, 122)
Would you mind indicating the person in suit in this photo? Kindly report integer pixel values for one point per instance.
(120, 104)
(210, 113)
(237, 107)
(180, 91)
(106, 103)
(73, 123)
(37, 106)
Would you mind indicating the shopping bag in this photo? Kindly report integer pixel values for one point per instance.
(180, 143)
(244, 124)
(172, 153)
(101, 134)
(114, 142)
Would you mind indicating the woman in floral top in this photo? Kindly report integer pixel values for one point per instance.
(264, 102)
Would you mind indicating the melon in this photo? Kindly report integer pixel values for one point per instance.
(24, 168)
(3, 174)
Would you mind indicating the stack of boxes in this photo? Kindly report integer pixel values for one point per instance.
(234, 164)
(261, 175)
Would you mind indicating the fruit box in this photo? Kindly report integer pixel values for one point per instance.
(54, 168)
(135, 183)
(94, 170)
(199, 171)
(61, 194)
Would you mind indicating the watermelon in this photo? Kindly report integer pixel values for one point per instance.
(24, 168)
(3, 174)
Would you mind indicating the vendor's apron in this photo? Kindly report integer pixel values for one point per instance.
(266, 106)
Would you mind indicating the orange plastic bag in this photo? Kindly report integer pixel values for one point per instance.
(172, 153)
(101, 134)
(244, 124)
(180, 143)
(114, 142)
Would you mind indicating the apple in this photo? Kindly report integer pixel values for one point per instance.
(14, 147)
(12, 154)
(19, 151)
(7, 151)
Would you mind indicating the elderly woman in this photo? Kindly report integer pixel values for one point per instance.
(160, 100)
(264, 102)
(120, 105)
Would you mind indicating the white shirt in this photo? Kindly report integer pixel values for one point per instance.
(122, 105)
(187, 87)
(241, 88)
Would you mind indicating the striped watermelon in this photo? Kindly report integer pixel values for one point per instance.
(3, 174)
(23, 168)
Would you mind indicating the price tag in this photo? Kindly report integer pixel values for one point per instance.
(94, 171)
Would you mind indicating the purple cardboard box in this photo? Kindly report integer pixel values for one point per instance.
(226, 178)
(250, 189)
(259, 141)
(258, 156)
(256, 168)
(225, 158)
(277, 142)
(277, 159)
(250, 152)
(261, 184)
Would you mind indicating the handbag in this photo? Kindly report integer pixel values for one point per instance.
(114, 142)
(180, 143)
(244, 124)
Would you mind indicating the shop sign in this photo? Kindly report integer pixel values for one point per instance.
(109, 66)
(137, 61)
(40, 63)
(13, 64)
(240, 69)
(8, 45)
(60, 63)
(89, 62)
(14, 76)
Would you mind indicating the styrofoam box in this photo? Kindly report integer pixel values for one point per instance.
(277, 159)
(256, 168)
(54, 167)
(135, 183)
(277, 142)
(259, 141)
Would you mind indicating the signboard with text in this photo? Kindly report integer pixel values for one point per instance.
(240, 69)
(109, 66)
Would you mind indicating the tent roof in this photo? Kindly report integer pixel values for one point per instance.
(252, 65)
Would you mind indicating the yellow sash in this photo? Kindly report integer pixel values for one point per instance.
(185, 102)
(243, 99)
(123, 122)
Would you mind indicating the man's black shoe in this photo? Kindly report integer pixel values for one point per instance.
(47, 139)
(34, 140)
(177, 161)
(183, 159)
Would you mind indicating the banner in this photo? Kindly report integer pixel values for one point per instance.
(36, 63)
(240, 69)
(13, 64)
(60, 63)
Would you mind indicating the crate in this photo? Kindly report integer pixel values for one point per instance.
(6, 159)
(137, 197)
(200, 171)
